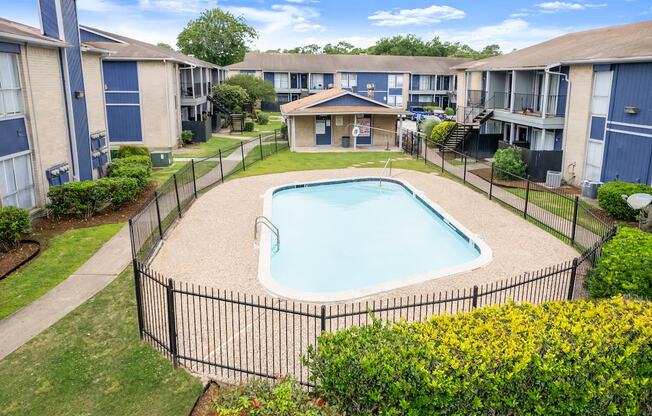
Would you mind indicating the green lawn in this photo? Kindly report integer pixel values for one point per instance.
(160, 175)
(63, 255)
(209, 148)
(285, 161)
(92, 362)
(261, 128)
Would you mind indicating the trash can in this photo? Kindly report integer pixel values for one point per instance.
(346, 141)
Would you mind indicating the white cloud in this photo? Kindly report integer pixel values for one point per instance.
(96, 5)
(561, 6)
(509, 34)
(519, 14)
(280, 18)
(427, 15)
(177, 6)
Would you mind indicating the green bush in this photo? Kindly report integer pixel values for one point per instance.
(248, 126)
(87, 198)
(441, 130)
(142, 161)
(186, 136)
(261, 398)
(127, 150)
(284, 131)
(14, 224)
(610, 199)
(625, 266)
(262, 118)
(428, 125)
(450, 111)
(431, 107)
(135, 167)
(509, 164)
(561, 358)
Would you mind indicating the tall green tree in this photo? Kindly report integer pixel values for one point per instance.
(408, 45)
(216, 36)
(257, 89)
(231, 96)
(342, 48)
(165, 46)
(308, 49)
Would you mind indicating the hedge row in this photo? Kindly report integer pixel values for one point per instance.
(135, 167)
(562, 358)
(625, 266)
(87, 198)
(14, 224)
(611, 200)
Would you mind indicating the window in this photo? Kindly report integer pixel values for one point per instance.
(349, 80)
(281, 80)
(540, 142)
(601, 92)
(317, 81)
(424, 83)
(425, 98)
(446, 82)
(395, 80)
(16, 182)
(11, 98)
(395, 100)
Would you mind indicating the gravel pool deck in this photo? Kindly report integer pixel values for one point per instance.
(213, 245)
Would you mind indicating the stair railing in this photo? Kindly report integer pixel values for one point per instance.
(274, 229)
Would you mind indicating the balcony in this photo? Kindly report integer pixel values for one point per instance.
(537, 110)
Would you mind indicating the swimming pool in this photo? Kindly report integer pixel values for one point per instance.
(350, 238)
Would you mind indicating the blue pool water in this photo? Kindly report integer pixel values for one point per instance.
(346, 236)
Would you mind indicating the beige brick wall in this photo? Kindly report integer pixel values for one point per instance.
(304, 131)
(343, 130)
(45, 113)
(337, 79)
(94, 91)
(578, 114)
(461, 93)
(384, 130)
(406, 89)
(155, 105)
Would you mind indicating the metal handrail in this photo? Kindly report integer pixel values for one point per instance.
(382, 175)
(261, 219)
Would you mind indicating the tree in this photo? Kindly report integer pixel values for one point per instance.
(342, 48)
(231, 96)
(164, 46)
(216, 36)
(408, 45)
(257, 89)
(308, 49)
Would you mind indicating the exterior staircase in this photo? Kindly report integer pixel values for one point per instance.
(458, 134)
(482, 116)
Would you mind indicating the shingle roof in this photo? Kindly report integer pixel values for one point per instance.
(305, 105)
(611, 44)
(358, 63)
(136, 49)
(18, 31)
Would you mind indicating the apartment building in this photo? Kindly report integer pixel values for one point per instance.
(398, 81)
(585, 95)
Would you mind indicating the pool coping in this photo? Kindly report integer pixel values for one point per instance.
(266, 238)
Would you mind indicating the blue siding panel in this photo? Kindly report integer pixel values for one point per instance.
(414, 82)
(598, 125)
(328, 80)
(9, 47)
(631, 87)
(124, 123)
(563, 92)
(122, 98)
(627, 158)
(87, 36)
(49, 19)
(395, 91)
(13, 136)
(347, 100)
(120, 75)
(559, 138)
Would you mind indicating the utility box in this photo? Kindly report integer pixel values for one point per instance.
(590, 189)
(161, 159)
(553, 179)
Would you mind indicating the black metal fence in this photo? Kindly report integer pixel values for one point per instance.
(236, 336)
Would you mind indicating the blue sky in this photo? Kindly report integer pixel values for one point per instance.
(288, 23)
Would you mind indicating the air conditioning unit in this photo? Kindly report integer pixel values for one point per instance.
(371, 86)
(553, 179)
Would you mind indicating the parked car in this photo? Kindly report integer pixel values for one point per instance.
(416, 112)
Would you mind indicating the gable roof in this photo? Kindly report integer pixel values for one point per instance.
(607, 45)
(21, 33)
(325, 102)
(342, 63)
(126, 48)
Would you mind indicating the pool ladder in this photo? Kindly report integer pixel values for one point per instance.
(274, 229)
(382, 175)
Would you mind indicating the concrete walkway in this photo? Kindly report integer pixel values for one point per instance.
(93, 276)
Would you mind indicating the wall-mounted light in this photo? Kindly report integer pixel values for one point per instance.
(79, 94)
(632, 110)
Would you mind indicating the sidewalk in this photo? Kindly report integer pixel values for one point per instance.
(93, 276)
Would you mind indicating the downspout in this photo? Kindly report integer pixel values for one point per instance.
(568, 95)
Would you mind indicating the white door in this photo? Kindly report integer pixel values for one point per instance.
(594, 160)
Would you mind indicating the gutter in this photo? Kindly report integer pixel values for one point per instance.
(609, 60)
(35, 41)
(564, 137)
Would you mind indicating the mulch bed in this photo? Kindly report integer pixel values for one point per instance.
(15, 258)
(485, 173)
(44, 228)
(203, 405)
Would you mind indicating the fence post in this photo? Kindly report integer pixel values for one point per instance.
(425, 152)
(418, 146)
(442, 150)
(576, 204)
(491, 182)
(139, 297)
(323, 318)
(527, 197)
(571, 285)
(474, 303)
(221, 167)
(260, 145)
(172, 323)
(244, 167)
(176, 191)
(194, 177)
(158, 215)
(464, 177)
(275, 143)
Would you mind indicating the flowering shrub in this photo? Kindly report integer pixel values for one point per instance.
(561, 358)
(258, 398)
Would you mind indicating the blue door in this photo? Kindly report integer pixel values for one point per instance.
(323, 130)
(364, 124)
